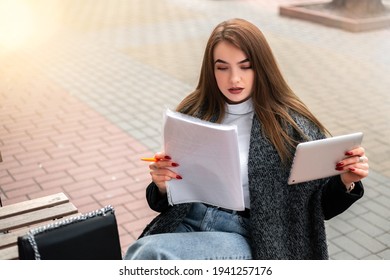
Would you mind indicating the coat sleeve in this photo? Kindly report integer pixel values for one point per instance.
(156, 201)
(335, 198)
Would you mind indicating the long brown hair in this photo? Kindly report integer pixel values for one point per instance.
(272, 97)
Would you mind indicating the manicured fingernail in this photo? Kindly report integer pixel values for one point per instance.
(339, 164)
(178, 177)
(339, 168)
(352, 169)
(348, 153)
(167, 157)
(174, 164)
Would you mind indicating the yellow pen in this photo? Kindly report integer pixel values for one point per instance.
(149, 159)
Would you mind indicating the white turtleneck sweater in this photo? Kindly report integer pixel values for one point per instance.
(242, 115)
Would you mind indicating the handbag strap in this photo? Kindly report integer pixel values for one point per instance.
(32, 232)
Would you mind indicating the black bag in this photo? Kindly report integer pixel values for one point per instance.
(92, 236)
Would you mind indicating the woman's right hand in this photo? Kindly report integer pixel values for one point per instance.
(161, 172)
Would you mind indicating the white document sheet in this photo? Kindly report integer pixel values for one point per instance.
(208, 159)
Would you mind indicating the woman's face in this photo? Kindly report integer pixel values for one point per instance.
(233, 72)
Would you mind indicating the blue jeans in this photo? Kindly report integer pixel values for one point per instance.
(207, 233)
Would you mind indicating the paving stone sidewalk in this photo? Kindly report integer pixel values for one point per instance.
(81, 106)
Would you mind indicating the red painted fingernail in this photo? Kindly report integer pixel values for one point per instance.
(339, 168)
(174, 164)
(339, 164)
(348, 153)
(167, 157)
(179, 177)
(352, 169)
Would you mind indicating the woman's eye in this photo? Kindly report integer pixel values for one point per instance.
(246, 67)
(222, 68)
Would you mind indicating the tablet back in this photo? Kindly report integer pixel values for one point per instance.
(317, 159)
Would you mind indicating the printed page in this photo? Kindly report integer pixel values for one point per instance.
(208, 159)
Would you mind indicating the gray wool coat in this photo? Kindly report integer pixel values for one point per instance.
(286, 222)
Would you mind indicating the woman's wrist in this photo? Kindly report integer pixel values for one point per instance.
(349, 186)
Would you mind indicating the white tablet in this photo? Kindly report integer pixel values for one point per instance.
(317, 159)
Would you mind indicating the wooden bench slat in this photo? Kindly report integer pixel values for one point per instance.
(32, 205)
(10, 253)
(18, 218)
(10, 239)
(37, 216)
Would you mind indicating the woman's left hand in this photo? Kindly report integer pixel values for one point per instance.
(356, 166)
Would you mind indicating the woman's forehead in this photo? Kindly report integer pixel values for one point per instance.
(228, 53)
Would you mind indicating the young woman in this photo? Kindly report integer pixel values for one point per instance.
(240, 83)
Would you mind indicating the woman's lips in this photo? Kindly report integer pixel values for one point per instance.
(235, 90)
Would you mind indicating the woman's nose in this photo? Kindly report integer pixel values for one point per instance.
(235, 78)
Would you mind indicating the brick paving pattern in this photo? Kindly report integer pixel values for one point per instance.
(81, 105)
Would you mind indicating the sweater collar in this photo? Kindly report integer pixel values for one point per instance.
(243, 108)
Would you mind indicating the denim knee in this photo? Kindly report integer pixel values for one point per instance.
(147, 248)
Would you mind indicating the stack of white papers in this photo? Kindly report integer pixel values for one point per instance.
(208, 158)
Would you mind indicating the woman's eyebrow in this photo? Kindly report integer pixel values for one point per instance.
(243, 61)
(222, 61)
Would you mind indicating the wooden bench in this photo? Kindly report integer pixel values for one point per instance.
(18, 218)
